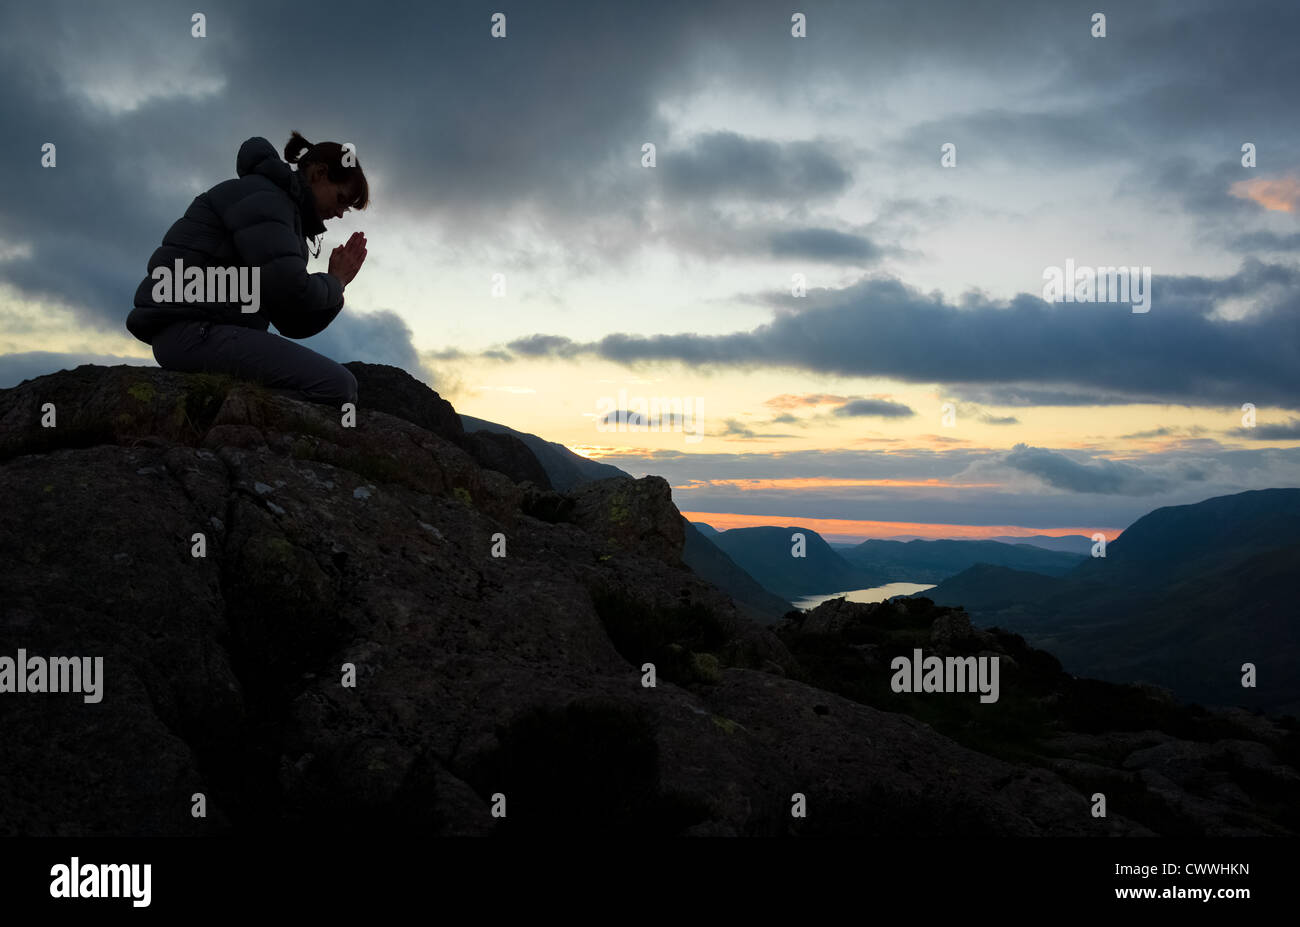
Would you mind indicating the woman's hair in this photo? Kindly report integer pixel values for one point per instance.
(302, 152)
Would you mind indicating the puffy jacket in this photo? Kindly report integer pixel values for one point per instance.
(261, 220)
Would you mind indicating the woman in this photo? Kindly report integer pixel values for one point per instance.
(255, 229)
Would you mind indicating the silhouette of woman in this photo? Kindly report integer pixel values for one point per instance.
(255, 228)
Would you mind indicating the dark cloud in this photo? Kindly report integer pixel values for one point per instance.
(708, 233)
(1188, 475)
(138, 135)
(735, 429)
(1026, 397)
(824, 245)
(459, 130)
(544, 346)
(1266, 241)
(1164, 432)
(882, 408)
(1288, 431)
(1172, 68)
(1101, 476)
(722, 165)
(634, 419)
(1202, 190)
(972, 410)
(1037, 138)
(1177, 352)
(374, 337)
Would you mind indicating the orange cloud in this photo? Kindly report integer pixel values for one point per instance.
(1280, 194)
(845, 529)
(787, 401)
(813, 482)
(597, 451)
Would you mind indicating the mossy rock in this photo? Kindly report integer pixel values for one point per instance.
(142, 392)
(705, 668)
(680, 640)
(202, 399)
(305, 425)
(731, 727)
(619, 510)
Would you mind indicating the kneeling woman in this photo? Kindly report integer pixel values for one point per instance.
(258, 226)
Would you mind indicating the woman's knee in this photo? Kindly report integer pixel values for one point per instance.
(350, 381)
(341, 386)
(171, 346)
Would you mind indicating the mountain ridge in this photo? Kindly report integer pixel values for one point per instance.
(1157, 605)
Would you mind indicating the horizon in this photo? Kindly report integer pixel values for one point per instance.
(834, 317)
(834, 536)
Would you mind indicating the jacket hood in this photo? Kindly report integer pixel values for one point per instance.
(258, 156)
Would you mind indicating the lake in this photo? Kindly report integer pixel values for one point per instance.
(874, 594)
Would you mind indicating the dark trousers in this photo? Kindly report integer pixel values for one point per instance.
(252, 354)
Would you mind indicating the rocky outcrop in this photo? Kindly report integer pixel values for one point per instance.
(237, 558)
(1171, 768)
(391, 389)
(506, 454)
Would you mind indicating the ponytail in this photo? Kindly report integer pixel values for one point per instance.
(301, 152)
(296, 147)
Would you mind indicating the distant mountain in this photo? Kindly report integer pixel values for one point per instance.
(984, 590)
(705, 529)
(765, 553)
(1069, 543)
(1186, 539)
(711, 562)
(1183, 598)
(935, 561)
(565, 468)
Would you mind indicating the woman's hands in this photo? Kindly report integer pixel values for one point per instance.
(346, 260)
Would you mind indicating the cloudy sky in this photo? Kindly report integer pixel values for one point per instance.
(527, 260)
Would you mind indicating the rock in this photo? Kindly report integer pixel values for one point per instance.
(631, 515)
(1167, 768)
(871, 773)
(833, 616)
(372, 548)
(506, 454)
(389, 389)
(394, 391)
(954, 632)
(96, 405)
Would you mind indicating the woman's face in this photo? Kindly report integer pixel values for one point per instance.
(332, 199)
